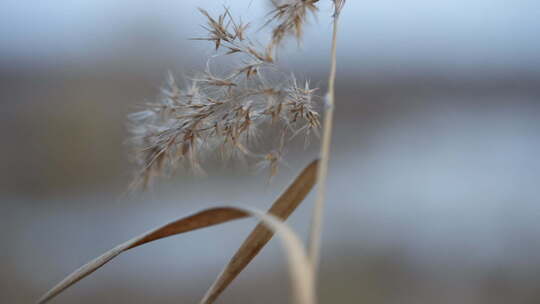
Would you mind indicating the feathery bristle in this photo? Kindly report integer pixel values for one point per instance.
(225, 115)
(290, 17)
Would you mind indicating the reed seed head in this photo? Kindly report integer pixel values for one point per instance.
(226, 115)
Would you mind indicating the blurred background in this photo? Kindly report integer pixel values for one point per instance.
(434, 193)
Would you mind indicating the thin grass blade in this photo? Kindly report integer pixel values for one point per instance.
(210, 217)
(300, 267)
(259, 237)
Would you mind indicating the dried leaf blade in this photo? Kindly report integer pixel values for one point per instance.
(214, 216)
(205, 218)
(261, 235)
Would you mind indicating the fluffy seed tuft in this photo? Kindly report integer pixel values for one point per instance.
(224, 115)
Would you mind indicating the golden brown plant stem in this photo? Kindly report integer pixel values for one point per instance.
(322, 173)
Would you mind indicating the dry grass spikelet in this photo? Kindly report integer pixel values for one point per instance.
(289, 17)
(224, 114)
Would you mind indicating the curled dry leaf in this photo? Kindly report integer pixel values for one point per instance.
(257, 239)
(301, 271)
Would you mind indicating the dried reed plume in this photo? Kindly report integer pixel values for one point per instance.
(225, 114)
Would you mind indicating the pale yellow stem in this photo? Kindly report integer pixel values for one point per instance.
(322, 173)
